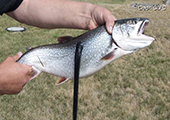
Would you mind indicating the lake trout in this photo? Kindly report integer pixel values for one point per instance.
(99, 49)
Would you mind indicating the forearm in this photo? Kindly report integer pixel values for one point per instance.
(58, 14)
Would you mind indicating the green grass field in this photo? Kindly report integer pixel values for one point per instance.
(134, 87)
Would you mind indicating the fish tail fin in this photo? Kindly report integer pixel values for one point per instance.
(34, 73)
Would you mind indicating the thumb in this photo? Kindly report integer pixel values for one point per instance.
(17, 56)
(110, 23)
(110, 20)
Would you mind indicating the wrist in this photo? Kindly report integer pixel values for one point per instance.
(85, 16)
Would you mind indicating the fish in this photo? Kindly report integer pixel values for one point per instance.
(99, 49)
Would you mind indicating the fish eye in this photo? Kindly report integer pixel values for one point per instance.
(134, 22)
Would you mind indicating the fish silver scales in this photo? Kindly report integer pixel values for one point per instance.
(99, 49)
(58, 59)
(94, 48)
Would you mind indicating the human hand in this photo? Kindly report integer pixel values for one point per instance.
(63, 14)
(13, 76)
(100, 16)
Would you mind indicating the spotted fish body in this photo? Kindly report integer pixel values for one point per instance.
(99, 49)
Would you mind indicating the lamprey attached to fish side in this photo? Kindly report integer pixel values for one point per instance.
(99, 49)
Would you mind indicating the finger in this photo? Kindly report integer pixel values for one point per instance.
(27, 69)
(17, 56)
(109, 20)
(110, 23)
(92, 25)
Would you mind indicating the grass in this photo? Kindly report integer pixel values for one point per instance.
(134, 87)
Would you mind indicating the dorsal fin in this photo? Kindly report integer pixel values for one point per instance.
(64, 39)
(28, 48)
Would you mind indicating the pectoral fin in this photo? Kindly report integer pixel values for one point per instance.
(34, 73)
(109, 56)
(62, 80)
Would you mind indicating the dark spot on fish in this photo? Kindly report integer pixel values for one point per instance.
(40, 61)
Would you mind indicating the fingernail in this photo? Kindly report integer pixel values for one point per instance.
(19, 54)
(110, 29)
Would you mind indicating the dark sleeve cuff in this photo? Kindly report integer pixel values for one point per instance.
(9, 5)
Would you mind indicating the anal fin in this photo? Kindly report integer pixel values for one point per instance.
(62, 80)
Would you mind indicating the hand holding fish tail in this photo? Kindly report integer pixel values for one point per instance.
(13, 75)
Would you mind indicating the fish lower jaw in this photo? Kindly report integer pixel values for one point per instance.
(145, 37)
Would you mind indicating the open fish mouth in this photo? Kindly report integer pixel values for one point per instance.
(141, 30)
(142, 26)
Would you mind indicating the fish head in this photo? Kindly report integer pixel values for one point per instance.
(128, 34)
